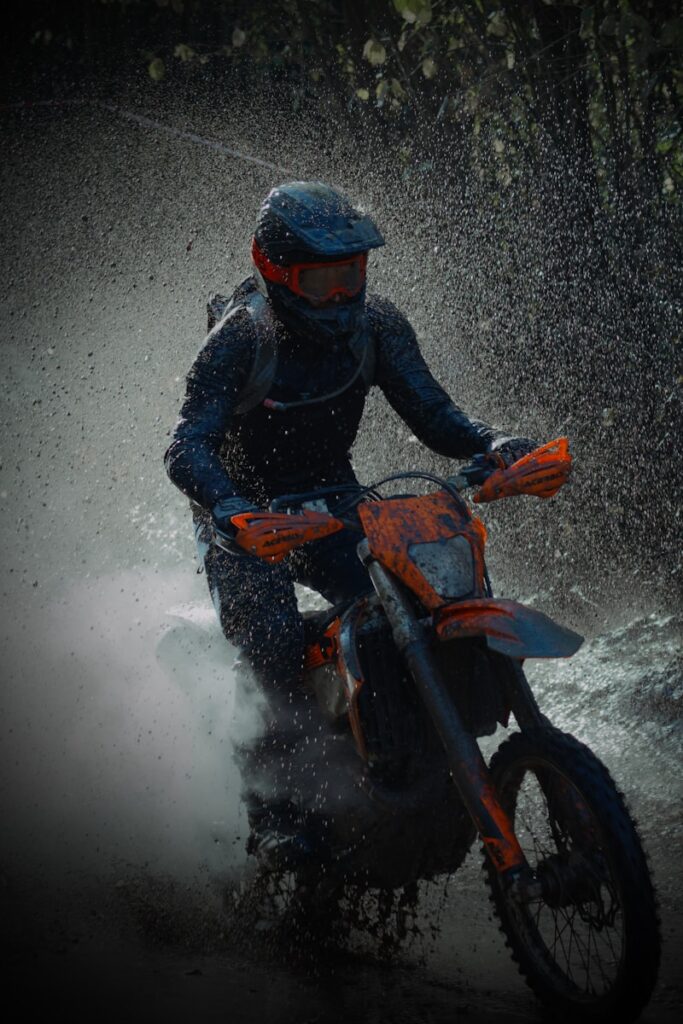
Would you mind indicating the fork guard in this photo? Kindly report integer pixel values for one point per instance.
(509, 627)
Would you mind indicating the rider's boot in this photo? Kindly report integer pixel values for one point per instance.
(281, 837)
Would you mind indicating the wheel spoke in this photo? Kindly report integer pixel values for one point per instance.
(547, 825)
(559, 933)
(571, 941)
(580, 947)
(591, 938)
(608, 936)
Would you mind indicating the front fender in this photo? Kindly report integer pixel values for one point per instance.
(509, 627)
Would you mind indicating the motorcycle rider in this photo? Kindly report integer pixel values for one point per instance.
(273, 404)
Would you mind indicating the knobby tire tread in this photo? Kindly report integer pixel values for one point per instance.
(640, 959)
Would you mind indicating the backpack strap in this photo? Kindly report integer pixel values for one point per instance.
(262, 372)
(364, 347)
(216, 309)
(219, 310)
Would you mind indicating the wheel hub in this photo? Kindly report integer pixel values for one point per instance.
(569, 879)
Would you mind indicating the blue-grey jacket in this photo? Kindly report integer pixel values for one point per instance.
(236, 434)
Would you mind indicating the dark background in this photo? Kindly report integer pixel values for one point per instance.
(525, 164)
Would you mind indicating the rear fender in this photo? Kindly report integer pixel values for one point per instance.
(509, 627)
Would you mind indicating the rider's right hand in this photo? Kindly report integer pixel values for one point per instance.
(504, 452)
(222, 513)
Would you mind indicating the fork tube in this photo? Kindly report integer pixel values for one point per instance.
(467, 766)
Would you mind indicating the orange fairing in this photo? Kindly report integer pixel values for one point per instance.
(394, 524)
(354, 685)
(272, 535)
(503, 849)
(323, 650)
(542, 473)
(509, 627)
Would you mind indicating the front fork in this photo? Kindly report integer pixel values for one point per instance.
(467, 766)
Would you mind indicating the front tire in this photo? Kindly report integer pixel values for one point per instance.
(589, 947)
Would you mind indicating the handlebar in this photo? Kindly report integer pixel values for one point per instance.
(541, 473)
(469, 476)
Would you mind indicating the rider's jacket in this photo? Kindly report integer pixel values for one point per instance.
(220, 449)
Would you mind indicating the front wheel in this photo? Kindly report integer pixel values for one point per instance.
(589, 946)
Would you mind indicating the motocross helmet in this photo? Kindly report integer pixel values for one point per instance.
(310, 251)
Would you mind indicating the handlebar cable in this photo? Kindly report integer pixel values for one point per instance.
(297, 499)
(357, 491)
(408, 476)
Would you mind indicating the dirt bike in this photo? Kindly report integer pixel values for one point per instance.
(408, 677)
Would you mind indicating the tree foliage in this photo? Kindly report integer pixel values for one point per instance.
(601, 80)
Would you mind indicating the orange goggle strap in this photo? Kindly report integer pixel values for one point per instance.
(272, 535)
(289, 276)
(541, 472)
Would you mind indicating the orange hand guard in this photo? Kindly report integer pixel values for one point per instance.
(541, 472)
(272, 535)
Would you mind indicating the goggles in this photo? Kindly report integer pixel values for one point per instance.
(318, 282)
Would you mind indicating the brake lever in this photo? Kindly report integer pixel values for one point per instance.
(478, 471)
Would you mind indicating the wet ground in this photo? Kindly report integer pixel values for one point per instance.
(97, 964)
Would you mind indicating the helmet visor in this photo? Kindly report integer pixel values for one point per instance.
(322, 281)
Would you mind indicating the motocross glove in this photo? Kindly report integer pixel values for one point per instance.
(502, 453)
(222, 513)
(510, 449)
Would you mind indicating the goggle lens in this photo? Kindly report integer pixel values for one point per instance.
(318, 282)
(327, 280)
